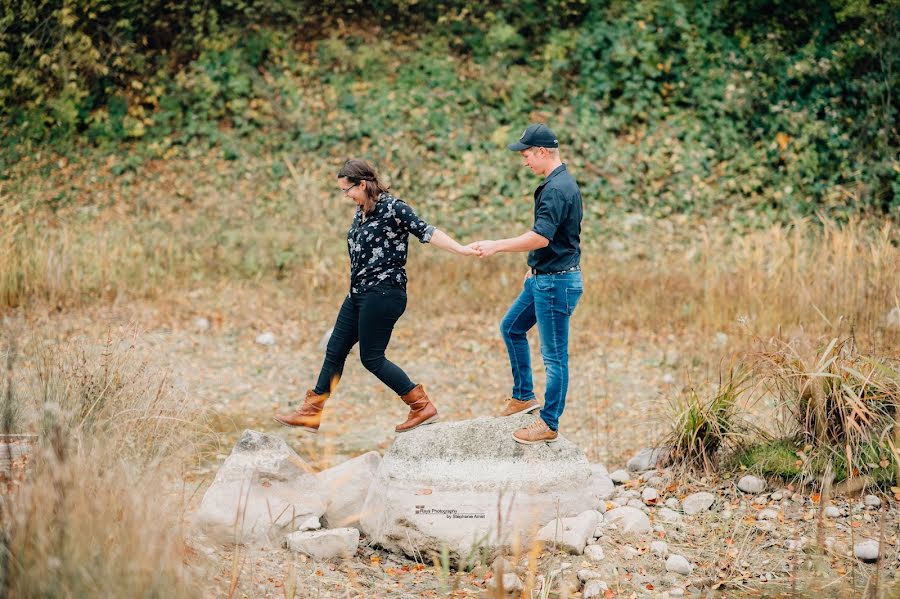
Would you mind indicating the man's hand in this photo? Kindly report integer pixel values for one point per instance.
(486, 247)
(468, 250)
(527, 276)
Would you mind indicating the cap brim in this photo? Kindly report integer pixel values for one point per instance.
(518, 146)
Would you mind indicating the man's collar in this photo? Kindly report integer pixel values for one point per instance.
(554, 172)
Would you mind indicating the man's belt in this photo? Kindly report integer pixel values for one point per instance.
(575, 268)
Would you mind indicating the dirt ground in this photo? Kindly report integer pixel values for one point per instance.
(620, 385)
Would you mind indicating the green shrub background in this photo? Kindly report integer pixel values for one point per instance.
(765, 109)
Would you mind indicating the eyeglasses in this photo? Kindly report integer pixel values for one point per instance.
(346, 191)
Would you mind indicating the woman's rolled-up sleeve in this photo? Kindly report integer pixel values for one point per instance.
(410, 222)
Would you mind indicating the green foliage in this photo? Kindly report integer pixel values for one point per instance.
(703, 424)
(663, 106)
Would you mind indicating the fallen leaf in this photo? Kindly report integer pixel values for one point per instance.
(423, 492)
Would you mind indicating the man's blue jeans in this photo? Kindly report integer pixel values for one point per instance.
(548, 301)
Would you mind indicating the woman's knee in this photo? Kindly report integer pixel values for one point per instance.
(372, 362)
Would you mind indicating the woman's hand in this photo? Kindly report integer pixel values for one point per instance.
(468, 250)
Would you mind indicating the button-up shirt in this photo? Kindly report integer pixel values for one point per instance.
(557, 217)
(378, 243)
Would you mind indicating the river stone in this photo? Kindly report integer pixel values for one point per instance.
(448, 484)
(347, 486)
(266, 487)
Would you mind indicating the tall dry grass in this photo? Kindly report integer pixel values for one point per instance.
(665, 275)
(99, 512)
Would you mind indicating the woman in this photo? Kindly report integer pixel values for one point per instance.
(378, 245)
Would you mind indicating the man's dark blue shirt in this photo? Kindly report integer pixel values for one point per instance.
(557, 217)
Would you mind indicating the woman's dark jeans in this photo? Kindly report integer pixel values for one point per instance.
(367, 318)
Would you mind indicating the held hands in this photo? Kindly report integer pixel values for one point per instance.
(467, 250)
(485, 248)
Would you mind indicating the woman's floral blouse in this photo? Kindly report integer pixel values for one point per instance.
(378, 244)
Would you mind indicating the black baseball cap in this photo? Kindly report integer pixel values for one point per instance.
(538, 135)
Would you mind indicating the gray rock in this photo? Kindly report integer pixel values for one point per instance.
(679, 565)
(620, 477)
(599, 470)
(832, 512)
(501, 566)
(872, 501)
(650, 496)
(265, 487)
(795, 544)
(201, 324)
(629, 553)
(647, 459)
(594, 553)
(673, 504)
(635, 503)
(698, 502)
(751, 484)
(667, 515)
(867, 551)
(629, 520)
(325, 544)
(659, 548)
(438, 486)
(311, 523)
(570, 534)
(267, 338)
(601, 486)
(347, 486)
(585, 575)
(512, 584)
(594, 589)
(767, 515)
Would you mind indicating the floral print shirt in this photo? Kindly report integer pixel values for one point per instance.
(378, 244)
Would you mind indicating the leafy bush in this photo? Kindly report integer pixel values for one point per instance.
(665, 106)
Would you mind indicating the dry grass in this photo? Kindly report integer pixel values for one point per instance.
(99, 513)
(708, 421)
(840, 405)
(183, 225)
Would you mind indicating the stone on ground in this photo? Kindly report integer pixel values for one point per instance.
(325, 544)
(570, 534)
(265, 487)
(448, 484)
(751, 484)
(346, 487)
(629, 520)
(647, 459)
(697, 502)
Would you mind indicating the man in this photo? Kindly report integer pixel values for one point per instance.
(553, 285)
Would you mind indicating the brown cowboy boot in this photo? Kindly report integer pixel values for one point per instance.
(421, 410)
(308, 416)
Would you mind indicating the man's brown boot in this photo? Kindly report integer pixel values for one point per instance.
(517, 406)
(308, 416)
(421, 410)
(536, 432)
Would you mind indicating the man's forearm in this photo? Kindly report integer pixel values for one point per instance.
(523, 243)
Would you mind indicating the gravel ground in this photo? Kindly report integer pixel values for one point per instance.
(619, 390)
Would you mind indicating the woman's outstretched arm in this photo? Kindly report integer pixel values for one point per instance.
(443, 241)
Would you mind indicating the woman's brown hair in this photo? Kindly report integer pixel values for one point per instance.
(356, 170)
